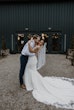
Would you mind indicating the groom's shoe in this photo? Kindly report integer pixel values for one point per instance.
(23, 86)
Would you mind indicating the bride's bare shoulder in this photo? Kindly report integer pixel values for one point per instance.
(36, 48)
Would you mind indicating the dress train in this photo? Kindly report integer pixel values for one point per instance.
(57, 91)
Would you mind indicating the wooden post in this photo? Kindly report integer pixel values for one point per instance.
(12, 42)
(64, 42)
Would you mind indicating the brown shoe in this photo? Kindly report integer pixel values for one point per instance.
(23, 86)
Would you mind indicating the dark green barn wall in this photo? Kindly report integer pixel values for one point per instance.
(37, 17)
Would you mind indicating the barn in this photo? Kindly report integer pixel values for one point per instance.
(19, 18)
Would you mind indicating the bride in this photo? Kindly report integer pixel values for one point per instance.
(56, 91)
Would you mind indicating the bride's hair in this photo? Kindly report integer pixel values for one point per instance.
(42, 39)
(41, 42)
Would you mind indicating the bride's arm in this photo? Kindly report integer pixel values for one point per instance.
(33, 50)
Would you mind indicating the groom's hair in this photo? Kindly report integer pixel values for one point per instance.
(35, 36)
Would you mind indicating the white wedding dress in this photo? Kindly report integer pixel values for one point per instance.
(57, 91)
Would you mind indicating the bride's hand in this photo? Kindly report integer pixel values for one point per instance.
(29, 41)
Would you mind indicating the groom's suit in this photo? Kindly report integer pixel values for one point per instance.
(25, 53)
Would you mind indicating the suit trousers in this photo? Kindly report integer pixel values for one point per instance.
(23, 62)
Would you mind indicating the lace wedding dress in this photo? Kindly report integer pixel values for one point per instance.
(58, 91)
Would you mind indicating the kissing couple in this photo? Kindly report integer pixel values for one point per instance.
(30, 49)
(56, 91)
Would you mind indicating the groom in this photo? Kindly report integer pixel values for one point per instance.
(25, 53)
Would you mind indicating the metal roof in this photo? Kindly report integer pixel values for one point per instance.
(29, 1)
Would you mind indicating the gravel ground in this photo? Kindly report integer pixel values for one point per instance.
(12, 97)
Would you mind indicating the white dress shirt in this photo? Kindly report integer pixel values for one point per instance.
(25, 50)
